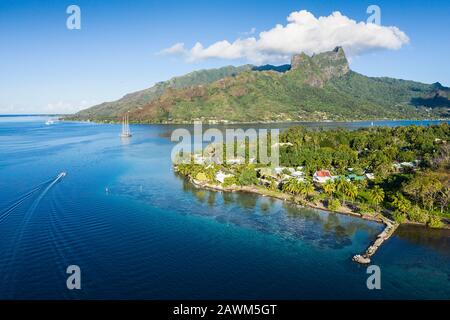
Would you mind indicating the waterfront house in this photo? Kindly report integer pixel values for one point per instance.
(322, 176)
(220, 176)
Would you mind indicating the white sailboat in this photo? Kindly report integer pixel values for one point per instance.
(126, 132)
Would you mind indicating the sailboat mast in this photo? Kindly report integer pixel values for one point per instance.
(126, 132)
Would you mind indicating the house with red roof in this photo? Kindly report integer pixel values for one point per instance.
(322, 176)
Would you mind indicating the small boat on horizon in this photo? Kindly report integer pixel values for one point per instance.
(126, 132)
(49, 122)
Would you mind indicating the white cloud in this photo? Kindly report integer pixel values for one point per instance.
(177, 48)
(302, 33)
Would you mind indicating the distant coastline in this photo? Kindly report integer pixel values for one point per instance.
(225, 123)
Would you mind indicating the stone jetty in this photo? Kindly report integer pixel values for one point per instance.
(383, 236)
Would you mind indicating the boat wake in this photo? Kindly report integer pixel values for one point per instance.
(6, 213)
(44, 189)
(36, 202)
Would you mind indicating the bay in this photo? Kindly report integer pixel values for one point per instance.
(138, 231)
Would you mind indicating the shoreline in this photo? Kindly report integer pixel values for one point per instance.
(277, 195)
(363, 258)
(251, 122)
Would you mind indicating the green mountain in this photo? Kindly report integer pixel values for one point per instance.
(318, 87)
(115, 109)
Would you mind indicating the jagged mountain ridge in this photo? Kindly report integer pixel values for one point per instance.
(317, 87)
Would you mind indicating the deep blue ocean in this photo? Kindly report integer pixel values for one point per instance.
(138, 231)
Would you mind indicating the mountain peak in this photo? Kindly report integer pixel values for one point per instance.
(321, 67)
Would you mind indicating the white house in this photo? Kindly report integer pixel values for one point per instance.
(220, 176)
(297, 174)
(370, 176)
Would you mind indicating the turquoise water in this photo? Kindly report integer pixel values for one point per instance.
(138, 231)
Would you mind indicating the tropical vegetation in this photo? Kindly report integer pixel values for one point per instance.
(401, 172)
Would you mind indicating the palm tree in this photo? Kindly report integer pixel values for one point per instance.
(306, 188)
(329, 187)
(376, 195)
(291, 186)
(287, 186)
(351, 190)
(273, 185)
(341, 186)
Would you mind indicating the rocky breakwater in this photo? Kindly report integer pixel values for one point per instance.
(383, 236)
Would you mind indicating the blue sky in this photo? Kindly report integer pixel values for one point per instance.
(44, 67)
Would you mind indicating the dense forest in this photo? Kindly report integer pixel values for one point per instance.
(377, 150)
